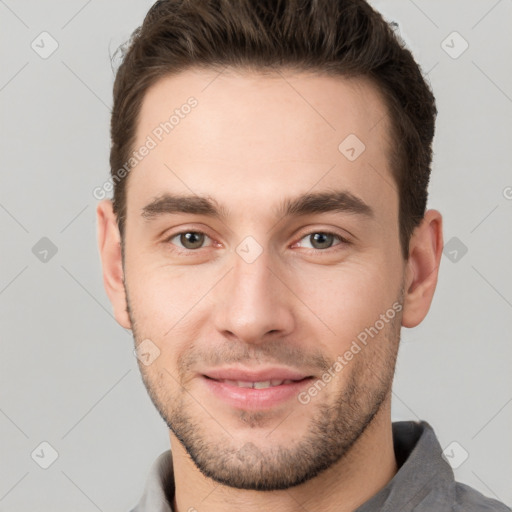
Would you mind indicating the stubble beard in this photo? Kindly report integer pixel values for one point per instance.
(333, 427)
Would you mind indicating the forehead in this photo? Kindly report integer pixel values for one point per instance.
(251, 133)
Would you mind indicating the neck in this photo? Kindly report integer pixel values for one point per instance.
(360, 474)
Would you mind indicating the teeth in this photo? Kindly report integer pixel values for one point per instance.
(256, 385)
(242, 384)
(261, 385)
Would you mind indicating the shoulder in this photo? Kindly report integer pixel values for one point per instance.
(468, 499)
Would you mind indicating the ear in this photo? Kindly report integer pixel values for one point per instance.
(109, 244)
(425, 250)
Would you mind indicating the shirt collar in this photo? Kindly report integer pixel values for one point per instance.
(423, 482)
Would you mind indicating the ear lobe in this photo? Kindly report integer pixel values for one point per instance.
(109, 245)
(425, 251)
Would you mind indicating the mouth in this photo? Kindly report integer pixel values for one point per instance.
(255, 390)
(262, 384)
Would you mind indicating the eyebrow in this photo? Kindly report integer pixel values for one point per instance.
(306, 204)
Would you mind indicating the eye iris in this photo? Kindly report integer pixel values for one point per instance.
(321, 240)
(192, 240)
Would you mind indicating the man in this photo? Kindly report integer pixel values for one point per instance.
(267, 239)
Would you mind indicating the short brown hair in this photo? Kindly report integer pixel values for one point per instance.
(337, 37)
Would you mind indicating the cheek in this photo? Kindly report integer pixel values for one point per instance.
(165, 301)
(347, 298)
(157, 291)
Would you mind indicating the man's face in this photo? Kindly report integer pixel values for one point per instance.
(259, 294)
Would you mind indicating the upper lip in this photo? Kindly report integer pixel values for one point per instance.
(260, 375)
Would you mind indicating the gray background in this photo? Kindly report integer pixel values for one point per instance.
(67, 371)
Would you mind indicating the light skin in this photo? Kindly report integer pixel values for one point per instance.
(253, 142)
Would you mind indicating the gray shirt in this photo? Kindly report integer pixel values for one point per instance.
(424, 481)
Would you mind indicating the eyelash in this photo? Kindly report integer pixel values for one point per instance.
(189, 252)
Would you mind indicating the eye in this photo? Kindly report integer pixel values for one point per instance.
(323, 240)
(188, 240)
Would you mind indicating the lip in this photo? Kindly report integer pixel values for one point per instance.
(260, 375)
(250, 398)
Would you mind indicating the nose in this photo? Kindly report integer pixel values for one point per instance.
(252, 302)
